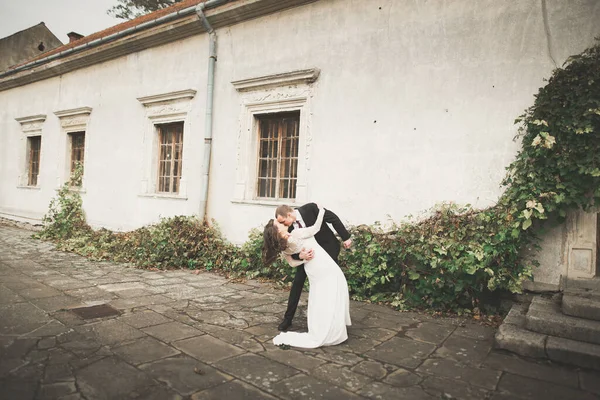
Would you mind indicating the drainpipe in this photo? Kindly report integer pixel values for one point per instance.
(208, 119)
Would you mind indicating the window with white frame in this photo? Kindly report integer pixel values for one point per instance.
(275, 138)
(30, 158)
(163, 173)
(74, 123)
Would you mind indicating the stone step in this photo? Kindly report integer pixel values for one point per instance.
(545, 316)
(587, 293)
(587, 307)
(586, 355)
(514, 337)
(587, 284)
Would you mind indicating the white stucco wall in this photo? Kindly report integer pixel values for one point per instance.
(114, 148)
(444, 82)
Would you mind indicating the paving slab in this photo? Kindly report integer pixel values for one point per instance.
(158, 392)
(134, 302)
(232, 390)
(429, 332)
(110, 378)
(485, 378)
(144, 350)
(338, 356)
(256, 370)
(172, 331)
(56, 303)
(535, 369)
(453, 389)
(535, 389)
(18, 389)
(58, 373)
(8, 296)
(111, 332)
(38, 292)
(465, 350)
(184, 374)
(144, 319)
(403, 378)
(378, 390)
(57, 390)
(303, 386)
(21, 318)
(402, 352)
(207, 348)
(590, 381)
(342, 377)
(372, 369)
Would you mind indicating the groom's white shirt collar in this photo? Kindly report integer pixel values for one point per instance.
(299, 218)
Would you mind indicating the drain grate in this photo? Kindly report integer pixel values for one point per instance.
(99, 311)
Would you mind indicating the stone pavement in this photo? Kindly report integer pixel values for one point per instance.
(179, 335)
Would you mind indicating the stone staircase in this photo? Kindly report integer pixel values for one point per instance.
(563, 328)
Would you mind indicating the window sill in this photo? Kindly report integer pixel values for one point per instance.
(268, 203)
(29, 187)
(163, 196)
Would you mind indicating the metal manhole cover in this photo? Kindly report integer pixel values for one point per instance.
(99, 311)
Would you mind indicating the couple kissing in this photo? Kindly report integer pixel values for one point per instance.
(305, 241)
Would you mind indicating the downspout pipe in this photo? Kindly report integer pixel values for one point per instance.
(210, 85)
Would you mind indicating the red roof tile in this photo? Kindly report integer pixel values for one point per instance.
(117, 28)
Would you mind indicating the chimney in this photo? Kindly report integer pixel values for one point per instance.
(73, 36)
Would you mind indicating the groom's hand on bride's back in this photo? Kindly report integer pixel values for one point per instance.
(307, 255)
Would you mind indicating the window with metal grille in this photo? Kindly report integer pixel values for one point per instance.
(170, 152)
(278, 155)
(77, 152)
(34, 145)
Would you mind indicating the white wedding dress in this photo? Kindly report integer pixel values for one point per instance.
(328, 300)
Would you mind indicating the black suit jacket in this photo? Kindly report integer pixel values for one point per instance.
(325, 237)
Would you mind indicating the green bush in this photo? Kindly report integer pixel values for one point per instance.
(448, 260)
(65, 218)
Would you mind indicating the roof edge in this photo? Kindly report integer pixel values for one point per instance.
(179, 24)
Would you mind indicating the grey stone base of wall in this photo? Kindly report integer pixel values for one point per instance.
(20, 225)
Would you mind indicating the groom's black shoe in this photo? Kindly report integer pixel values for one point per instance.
(285, 325)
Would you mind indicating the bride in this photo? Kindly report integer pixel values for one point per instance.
(328, 300)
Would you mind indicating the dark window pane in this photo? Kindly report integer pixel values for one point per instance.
(170, 155)
(34, 143)
(277, 155)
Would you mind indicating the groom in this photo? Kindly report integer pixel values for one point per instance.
(300, 218)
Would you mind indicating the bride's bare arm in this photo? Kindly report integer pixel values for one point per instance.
(305, 233)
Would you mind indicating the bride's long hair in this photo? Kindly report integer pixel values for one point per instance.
(273, 243)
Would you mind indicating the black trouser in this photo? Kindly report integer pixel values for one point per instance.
(296, 290)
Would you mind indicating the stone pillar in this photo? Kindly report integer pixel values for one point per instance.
(581, 244)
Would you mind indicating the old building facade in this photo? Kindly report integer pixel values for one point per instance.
(378, 110)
